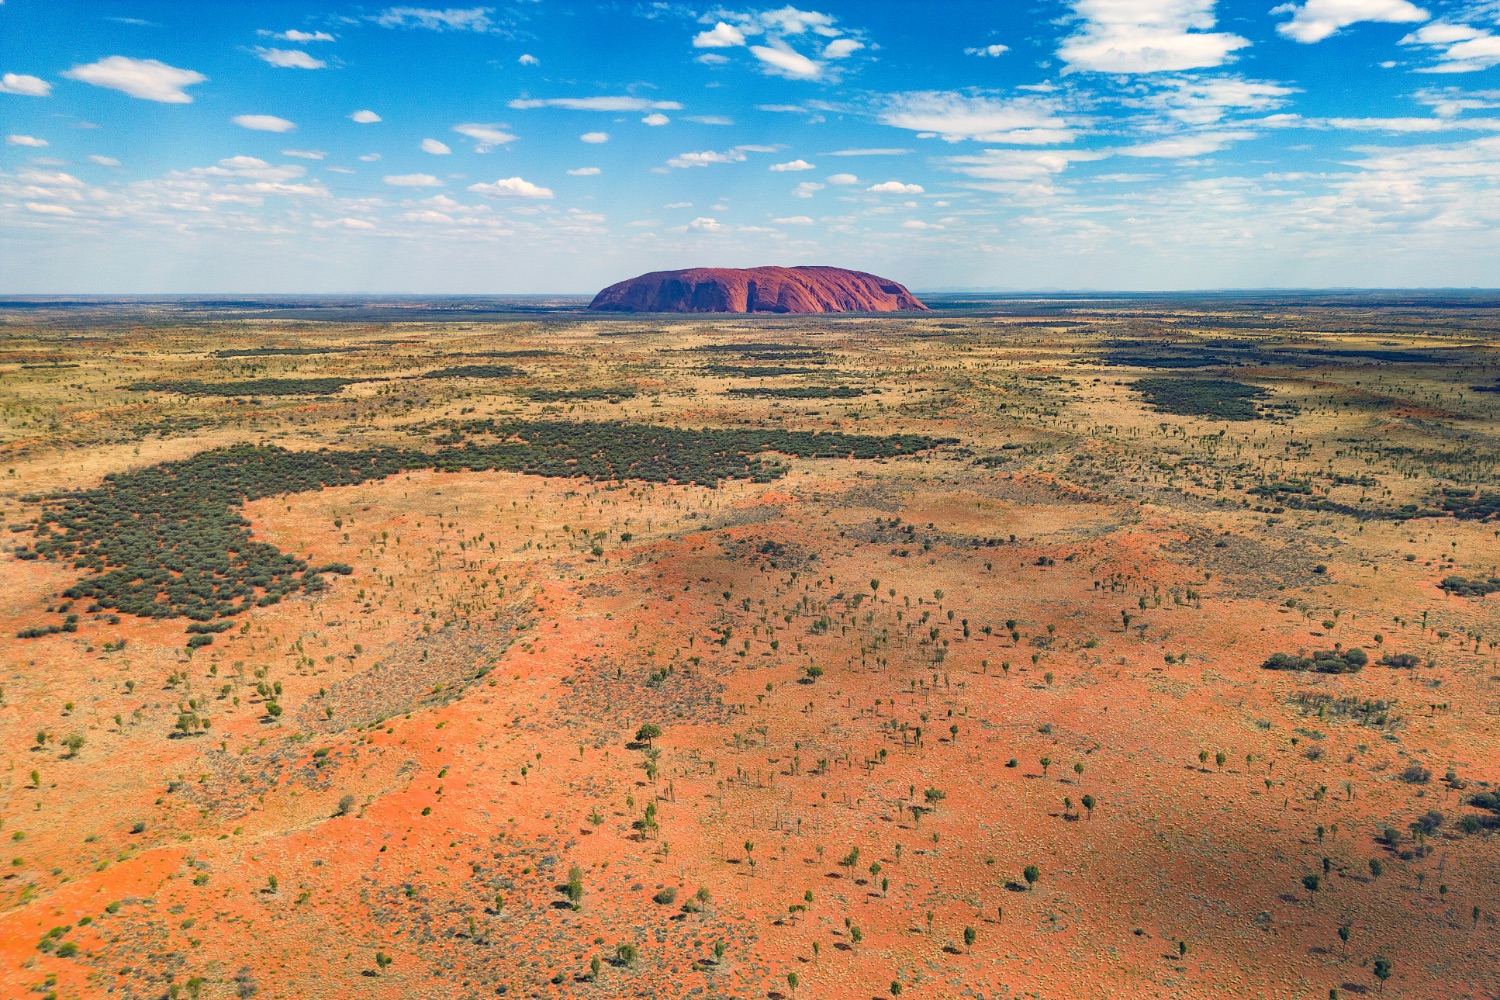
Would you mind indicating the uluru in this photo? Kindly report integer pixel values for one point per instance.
(757, 290)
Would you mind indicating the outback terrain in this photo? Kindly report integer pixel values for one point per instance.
(1022, 648)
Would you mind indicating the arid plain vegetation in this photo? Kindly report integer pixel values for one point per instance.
(1026, 648)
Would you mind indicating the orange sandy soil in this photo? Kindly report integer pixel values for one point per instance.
(473, 796)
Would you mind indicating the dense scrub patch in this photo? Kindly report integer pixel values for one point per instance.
(1468, 505)
(1202, 397)
(801, 392)
(616, 450)
(476, 371)
(1323, 661)
(1462, 586)
(167, 541)
(249, 387)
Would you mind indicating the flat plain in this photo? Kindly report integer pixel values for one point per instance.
(1037, 648)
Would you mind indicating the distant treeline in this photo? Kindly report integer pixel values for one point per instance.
(249, 387)
(800, 392)
(266, 352)
(755, 371)
(587, 394)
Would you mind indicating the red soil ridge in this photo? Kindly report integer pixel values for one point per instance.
(757, 289)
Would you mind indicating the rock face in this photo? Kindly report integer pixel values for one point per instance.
(757, 290)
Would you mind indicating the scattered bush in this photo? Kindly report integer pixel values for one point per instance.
(1416, 774)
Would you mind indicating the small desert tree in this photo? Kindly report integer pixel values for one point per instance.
(1382, 970)
(1032, 875)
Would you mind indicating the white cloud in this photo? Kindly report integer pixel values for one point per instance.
(705, 224)
(1146, 36)
(1204, 101)
(1186, 146)
(656, 118)
(988, 50)
(782, 60)
(26, 86)
(595, 137)
(884, 151)
(720, 36)
(252, 167)
(1025, 174)
(1315, 20)
(792, 166)
(710, 119)
(806, 189)
(842, 180)
(44, 209)
(511, 187)
(290, 59)
(304, 36)
(596, 104)
(471, 19)
(369, 157)
(895, 187)
(25, 140)
(435, 148)
(679, 204)
(818, 40)
(343, 223)
(919, 224)
(486, 137)
(147, 79)
(794, 220)
(584, 172)
(412, 180)
(104, 161)
(527, 59)
(1460, 48)
(955, 117)
(705, 158)
(364, 117)
(304, 154)
(1450, 101)
(263, 123)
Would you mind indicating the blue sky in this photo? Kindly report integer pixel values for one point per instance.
(542, 146)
